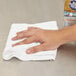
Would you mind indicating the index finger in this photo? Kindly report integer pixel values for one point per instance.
(26, 33)
(19, 35)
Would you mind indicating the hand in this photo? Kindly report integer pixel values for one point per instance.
(49, 39)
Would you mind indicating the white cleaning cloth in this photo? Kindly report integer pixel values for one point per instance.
(20, 50)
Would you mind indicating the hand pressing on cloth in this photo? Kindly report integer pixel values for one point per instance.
(48, 39)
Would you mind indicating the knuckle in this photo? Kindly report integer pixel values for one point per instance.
(34, 48)
(26, 41)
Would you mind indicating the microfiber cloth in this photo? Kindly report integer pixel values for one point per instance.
(20, 50)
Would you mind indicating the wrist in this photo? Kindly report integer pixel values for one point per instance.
(65, 36)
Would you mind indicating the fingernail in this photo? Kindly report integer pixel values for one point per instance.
(28, 51)
(13, 38)
(13, 45)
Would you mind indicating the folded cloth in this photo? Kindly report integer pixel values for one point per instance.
(20, 50)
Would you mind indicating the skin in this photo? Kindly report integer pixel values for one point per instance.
(48, 39)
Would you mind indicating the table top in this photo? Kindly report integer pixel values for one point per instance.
(34, 11)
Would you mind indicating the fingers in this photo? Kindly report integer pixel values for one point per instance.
(25, 33)
(26, 41)
(29, 28)
(35, 49)
(20, 35)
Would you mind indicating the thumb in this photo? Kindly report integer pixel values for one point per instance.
(35, 49)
